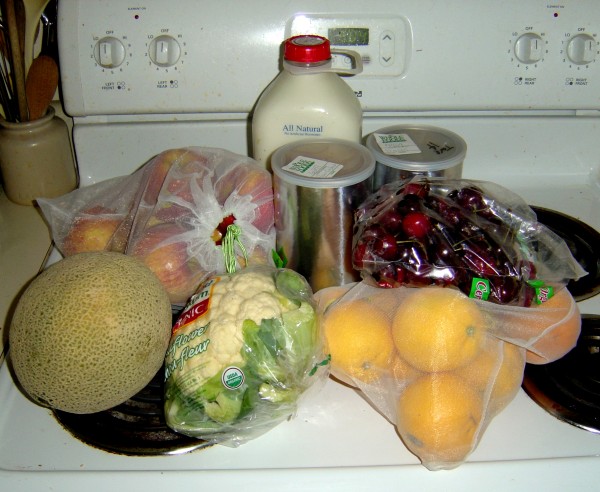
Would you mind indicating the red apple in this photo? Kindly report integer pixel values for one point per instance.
(254, 181)
(163, 249)
(92, 230)
(159, 172)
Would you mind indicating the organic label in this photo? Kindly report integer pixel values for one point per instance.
(197, 306)
(313, 168)
(396, 144)
(232, 377)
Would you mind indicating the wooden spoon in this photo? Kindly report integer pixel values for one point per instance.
(40, 86)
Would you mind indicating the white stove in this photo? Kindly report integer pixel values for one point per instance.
(519, 81)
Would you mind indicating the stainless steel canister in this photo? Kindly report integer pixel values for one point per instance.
(318, 184)
(404, 151)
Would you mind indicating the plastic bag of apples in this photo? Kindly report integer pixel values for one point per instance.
(173, 213)
(438, 364)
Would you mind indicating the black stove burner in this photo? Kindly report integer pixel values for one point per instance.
(137, 427)
(569, 388)
(584, 243)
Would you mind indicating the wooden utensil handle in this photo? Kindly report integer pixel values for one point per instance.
(18, 66)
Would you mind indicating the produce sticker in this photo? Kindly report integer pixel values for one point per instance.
(396, 144)
(313, 168)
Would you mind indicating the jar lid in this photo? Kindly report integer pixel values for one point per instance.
(417, 147)
(307, 48)
(339, 162)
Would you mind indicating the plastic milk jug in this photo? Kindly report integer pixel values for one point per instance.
(308, 99)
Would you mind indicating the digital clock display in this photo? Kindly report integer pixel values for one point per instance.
(348, 36)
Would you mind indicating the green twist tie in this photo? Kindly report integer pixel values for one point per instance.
(232, 237)
(324, 362)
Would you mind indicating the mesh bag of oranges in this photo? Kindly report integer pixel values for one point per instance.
(436, 363)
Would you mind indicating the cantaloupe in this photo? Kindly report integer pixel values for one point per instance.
(89, 332)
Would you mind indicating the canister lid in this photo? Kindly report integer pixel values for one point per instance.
(417, 147)
(323, 163)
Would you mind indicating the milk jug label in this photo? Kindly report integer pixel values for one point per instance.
(396, 144)
(313, 168)
(296, 130)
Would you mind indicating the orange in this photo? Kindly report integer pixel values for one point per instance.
(329, 295)
(438, 418)
(402, 371)
(359, 339)
(500, 364)
(438, 329)
(562, 321)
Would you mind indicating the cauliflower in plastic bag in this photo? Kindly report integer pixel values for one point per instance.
(243, 351)
(172, 213)
(436, 363)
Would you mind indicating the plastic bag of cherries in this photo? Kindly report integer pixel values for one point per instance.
(475, 235)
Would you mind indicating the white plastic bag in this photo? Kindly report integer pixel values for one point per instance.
(173, 213)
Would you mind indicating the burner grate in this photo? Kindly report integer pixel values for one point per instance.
(569, 388)
(137, 427)
(583, 242)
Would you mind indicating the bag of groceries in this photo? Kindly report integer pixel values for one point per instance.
(173, 214)
(474, 235)
(438, 364)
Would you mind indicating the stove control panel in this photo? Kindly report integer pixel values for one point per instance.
(578, 50)
(148, 58)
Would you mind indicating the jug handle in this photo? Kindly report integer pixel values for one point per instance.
(356, 65)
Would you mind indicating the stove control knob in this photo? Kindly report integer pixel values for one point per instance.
(164, 51)
(529, 48)
(109, 52)
(581, 49)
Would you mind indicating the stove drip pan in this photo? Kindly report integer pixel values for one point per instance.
(569, 388)
(583, 242)
(137, 427)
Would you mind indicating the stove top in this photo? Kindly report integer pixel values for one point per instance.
(137, 427)
(568, 388)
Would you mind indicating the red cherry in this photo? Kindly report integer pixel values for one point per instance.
(416, 224)
(504, 289)
(372, 231)
(385, 247)
(386, 276)
(391, 220)
(420, 189)
(362, 257)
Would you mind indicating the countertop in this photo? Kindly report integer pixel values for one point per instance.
(24, 244)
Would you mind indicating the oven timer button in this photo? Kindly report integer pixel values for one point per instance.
(164, 51)
(109, 52)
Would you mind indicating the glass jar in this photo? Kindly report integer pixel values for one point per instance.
(36, 159)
